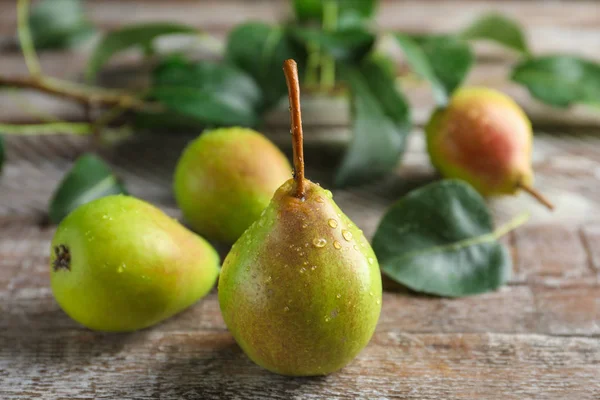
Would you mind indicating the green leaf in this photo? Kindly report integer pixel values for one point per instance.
(210, 93)
(58, 24)
(167, 121)
(141, 36)
(419, 62)
(350, 13)
(1, 153)
(440, 239)
(560, 80)
(451, 59)
(349, 45)
(380, 125)
(499, 29)
(260, 50)
(89, 179)
(444, 61)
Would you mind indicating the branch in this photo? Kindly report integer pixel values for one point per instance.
(83, 94)
(52, 128)
(27, 46)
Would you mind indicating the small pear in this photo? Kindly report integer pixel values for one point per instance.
(120, 264)
(300, 290)
(483, 137)
(225, 179)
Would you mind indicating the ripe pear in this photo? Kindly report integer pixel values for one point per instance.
(300, 290)
(120, 264)
(483, 137)
(225, 179)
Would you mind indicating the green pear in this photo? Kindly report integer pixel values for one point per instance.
(121, 264)
(300, 290)
(483, 137)
(225, 179)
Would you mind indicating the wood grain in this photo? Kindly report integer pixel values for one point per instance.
(591, 235)
(209, 365)
(557, 252)
(539, 337)
(564, 166)
(536, 338)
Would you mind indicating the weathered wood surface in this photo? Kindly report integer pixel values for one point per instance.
(536, 338)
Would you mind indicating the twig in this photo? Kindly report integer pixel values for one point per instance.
(109, 116)
(52, 128)
(31, 59)
(82, 94)
(100, 124)
(88, 96)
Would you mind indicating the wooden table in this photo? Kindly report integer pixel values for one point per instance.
(536, 338)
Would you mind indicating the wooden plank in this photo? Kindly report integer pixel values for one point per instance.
(568, 310)
(209, 365)
(555, 251)
(36, 165)
(510, 310)
(591, 235)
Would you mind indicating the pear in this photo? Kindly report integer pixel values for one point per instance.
(120, 264)
(300, 290)
(483, 137)
(225, 179)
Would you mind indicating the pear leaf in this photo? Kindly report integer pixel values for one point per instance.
(440, 239)
(59, 24)
(89, 179)
(380, 125)
(444, 61)
(560, 81)
(207, 92)
(419, 62)
(344, 45)
(500, 29)
(259, 50)
(350, 13)
(140, 35)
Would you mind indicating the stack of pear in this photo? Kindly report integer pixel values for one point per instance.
(301, 289)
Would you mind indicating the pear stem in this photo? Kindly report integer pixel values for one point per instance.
(537, 195)
(290, 69)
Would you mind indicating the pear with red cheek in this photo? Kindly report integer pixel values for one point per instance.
(483, 137)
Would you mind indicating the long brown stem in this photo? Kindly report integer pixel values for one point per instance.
(537, 195)
(79, 93)
(290, 68)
